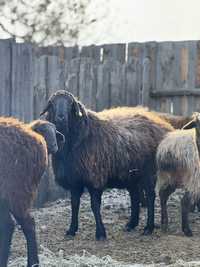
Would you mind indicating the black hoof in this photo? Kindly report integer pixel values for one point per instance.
(143, 205)
(129, 227)
(147, 231)
(70, 234)
(192, 209)
(101, 238)
(188, 232)
(101, 235)
(164, 228)
(157, 226)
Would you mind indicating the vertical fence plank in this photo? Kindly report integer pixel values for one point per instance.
(117, 84)
(197, 72)
(103, 86)
(132, 83)
(72, 69)
(134, 74)
(192, 61)
(39, 80)
(5, 77)
(184, 64)
(176, 105)
(87, 83)
(22, 91)
(146, 82)
(167, 66)
(114, 51)
(55, 69)
(193, 104)
(149, 72)
(71, 52)
(92, 51)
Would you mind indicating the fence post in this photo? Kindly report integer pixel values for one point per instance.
(146, 84)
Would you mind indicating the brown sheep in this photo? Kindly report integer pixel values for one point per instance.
(113, 148)
(23, 160)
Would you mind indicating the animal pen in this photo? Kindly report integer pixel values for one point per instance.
(164, 76)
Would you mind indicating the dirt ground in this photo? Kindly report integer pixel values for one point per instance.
(121, 246)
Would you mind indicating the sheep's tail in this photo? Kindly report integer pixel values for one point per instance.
(192, 184)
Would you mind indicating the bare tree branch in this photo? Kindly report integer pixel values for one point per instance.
(45, 21)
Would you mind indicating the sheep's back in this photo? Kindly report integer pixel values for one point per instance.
(118, 147)
(145, 129)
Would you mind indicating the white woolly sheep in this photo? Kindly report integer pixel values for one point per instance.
(179, 167)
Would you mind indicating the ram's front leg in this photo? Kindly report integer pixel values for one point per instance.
(75, 204)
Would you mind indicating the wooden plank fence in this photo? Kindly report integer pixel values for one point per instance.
(164, 76)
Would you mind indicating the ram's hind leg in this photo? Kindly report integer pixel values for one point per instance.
(185, 209)
(135, 208)
(6, 231)
(164, 195)
(27, 224)
(149, 187)
(96, 206)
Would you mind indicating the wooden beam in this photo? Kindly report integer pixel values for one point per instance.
(181, 92)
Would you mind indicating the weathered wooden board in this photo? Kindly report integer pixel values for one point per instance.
(197, 72)
(55, 69)
(134, 72)
(146, 81)
(132, 83)
(103, 86)
(71, 76)
(71, 52)
(39, 81)
(87, 82)
(167, 66)
(21, 79)
(5, 77)
(117, 84)
(149, 72)
(114, 51)
(93, 52)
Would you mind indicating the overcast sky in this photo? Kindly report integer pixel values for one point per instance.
(147, 20)
(142, 20)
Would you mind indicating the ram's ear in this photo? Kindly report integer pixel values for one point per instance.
(191, 124)
(46, 108)
(79, 109)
